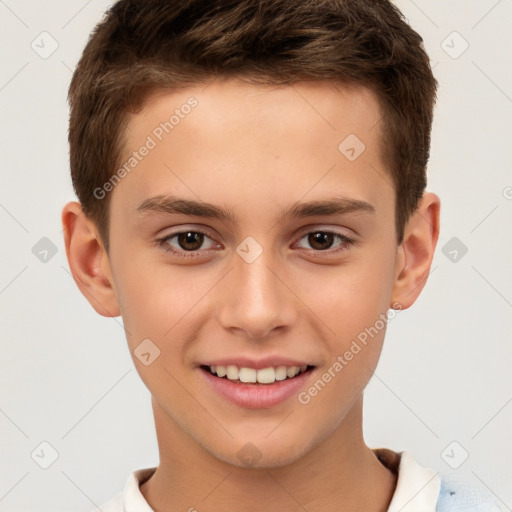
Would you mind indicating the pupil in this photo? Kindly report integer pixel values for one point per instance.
(318, 238)
(196, 239)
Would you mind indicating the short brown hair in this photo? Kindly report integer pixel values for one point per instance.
(145, 45)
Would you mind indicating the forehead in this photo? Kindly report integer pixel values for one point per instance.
(234, 143)
(230, 104)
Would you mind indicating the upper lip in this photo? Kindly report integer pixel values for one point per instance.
(257, 364)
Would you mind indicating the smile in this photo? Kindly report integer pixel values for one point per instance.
(260, 388)
(267, 375)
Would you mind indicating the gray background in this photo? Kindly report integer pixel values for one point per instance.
(442, 387)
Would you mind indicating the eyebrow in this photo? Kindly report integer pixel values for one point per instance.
(168, 204)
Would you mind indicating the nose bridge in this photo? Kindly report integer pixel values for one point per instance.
(257, 301)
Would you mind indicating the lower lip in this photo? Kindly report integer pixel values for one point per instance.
(257, 396)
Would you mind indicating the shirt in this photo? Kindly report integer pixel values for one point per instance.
(418, 489)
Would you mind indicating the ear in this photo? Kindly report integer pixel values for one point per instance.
(88, 260)
(415, 253)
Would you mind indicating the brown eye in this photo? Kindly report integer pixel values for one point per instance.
(321, 240)
(190, 240)
(186, 244)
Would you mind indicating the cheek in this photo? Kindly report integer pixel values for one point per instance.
(158, 317)
(164, 304)
(354, 296)
(354, 308)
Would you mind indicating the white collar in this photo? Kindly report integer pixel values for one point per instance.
(417, 487)
(133, 499)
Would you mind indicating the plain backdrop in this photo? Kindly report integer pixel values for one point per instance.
(442, 389)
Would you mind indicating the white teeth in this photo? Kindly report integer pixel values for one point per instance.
(262, 376)
(265, 375)
(232, 372)
(247, 375)
(292, 371)
(281, 373)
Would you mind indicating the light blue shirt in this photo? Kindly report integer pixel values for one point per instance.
(459, 496)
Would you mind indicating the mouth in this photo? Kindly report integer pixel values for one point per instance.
(263, 376)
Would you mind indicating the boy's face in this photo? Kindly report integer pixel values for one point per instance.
(255, 152)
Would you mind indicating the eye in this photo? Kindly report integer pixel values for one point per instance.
(322, 240)
(187, 244)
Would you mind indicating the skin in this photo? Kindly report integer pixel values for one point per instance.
(257, 151)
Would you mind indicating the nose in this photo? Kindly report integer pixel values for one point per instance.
(258, 300)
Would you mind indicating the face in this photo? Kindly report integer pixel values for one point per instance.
(260, 273)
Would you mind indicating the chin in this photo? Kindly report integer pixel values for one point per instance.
(261, 454)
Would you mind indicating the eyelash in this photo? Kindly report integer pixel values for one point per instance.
(162, 243)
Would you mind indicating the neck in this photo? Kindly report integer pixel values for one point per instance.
(340, 474)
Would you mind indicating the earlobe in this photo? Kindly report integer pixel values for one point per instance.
(88, 260)
(416, 252)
